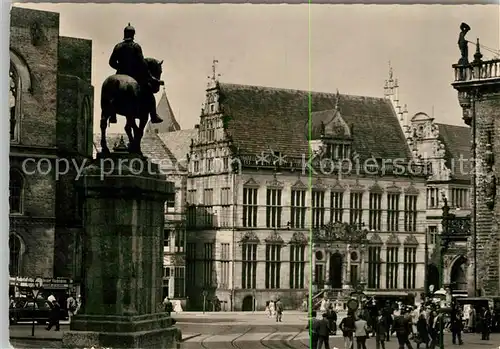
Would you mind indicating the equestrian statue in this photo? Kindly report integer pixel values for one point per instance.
(130, 92)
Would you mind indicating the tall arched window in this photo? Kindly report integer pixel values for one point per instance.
(16, 189)
(16, 251)
(14, 103)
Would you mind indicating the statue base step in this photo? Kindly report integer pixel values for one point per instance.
(117, 332)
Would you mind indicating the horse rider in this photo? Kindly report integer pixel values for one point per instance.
(127, 59)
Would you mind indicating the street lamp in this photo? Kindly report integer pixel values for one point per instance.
(35, 288)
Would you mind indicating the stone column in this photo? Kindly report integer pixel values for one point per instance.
(328, 256)
(123, 257)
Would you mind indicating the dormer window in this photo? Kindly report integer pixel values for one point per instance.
(339, 151)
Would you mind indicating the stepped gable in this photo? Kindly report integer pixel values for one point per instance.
(457, 141)
(165, 112)
(259, 118)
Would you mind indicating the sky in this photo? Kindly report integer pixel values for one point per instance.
(307, 47)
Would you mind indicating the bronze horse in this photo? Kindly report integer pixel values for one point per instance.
(121, 94)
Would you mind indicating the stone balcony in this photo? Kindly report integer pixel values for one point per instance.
(477, 72)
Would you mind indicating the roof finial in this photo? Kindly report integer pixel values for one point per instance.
(478, 55)
(337, 99)
(215, 75)
(390, 71)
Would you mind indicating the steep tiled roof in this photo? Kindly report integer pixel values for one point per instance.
(178, 142)
(164, 110)
(259, 118)
(151, 145)
(457, 142)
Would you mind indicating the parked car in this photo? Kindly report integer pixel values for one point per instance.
(30, 309)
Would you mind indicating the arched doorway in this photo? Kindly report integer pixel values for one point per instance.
(433, 276)
(458, 274)
(15, 252)
(336, 270)
(247, 304)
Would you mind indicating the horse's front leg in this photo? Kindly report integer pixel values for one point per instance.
(104, 125)
(139, 131)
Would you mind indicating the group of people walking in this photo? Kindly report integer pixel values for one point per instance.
(275, 309)
(412, 326)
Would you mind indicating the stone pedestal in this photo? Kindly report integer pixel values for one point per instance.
(123, 257)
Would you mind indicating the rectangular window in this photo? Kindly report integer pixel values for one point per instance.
(393, 212)
(356, 208)
(208, 264)
(180, 235)
(318, 208)
(225, 258)
(273, 266)
(196, 166)
(409, 267)
(297, 266)
(191, 202)
(354, 275)
(249, 266)
(375, 213)
(166, 240)
(250, 207)
(191, 264)
(432, 197)
(225, 210)
(170, 206)
(374, 266)
(460, 197)
(433, 235)
(336, 206)
(319, 275)
(298, 209)
(179, 282)
(273, 208)
(208, 203)
(392, 268)
(410, 213)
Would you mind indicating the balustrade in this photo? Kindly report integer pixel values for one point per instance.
(478, 71)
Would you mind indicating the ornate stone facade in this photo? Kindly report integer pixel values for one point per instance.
(478, 87)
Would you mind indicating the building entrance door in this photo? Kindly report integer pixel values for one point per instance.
(335, 270)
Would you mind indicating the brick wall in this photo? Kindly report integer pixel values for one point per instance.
(34, 38)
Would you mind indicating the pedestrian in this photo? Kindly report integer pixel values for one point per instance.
(323, 333)
(279, 310)
(78, 304)
(361, 331)
(54, 315)
(313, 326)
(347, 328)
(168, 306)
(388, 311)
(422, 329)
(331, 315)
(486, 324)
(272, 309)
(71, 306)
(456, 325)
(402, 328)
(380, 330)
